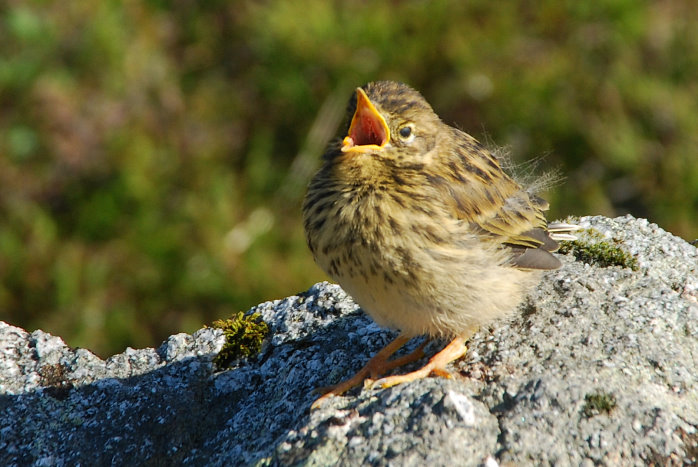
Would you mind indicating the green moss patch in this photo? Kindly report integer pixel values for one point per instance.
(598, 403)
(593, 248)
(244, 335)
(55, 381)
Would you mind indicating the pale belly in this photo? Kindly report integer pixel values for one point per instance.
(448, 294)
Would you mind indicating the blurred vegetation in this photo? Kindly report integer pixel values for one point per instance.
(153, 155)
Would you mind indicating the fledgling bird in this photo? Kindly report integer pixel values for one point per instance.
(418, 222)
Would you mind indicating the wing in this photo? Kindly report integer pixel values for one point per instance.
(481, 193)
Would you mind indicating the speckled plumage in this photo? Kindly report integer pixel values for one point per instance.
(422, 227)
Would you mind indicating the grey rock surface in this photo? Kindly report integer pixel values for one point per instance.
(599, 366)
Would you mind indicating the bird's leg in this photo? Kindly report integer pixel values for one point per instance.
(413, 356)
(375, 366)
(437, 365)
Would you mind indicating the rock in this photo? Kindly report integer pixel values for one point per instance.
(598, 367)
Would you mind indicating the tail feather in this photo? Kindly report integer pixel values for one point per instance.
(560, 231)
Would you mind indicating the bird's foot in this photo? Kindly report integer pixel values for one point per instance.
(437, 366)
(376, 366)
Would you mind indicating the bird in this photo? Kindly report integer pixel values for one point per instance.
(419, 223)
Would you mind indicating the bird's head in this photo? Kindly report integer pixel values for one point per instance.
(390, 120)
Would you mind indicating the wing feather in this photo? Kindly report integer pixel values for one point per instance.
(498, 207)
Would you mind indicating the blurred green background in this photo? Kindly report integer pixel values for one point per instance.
(154, 155)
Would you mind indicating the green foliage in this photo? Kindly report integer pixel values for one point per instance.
(594, 249)
(153, 155)
(244, 335)
(598, 403)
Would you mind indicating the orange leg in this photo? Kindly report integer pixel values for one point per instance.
(376, 366)
(437, 365)
(413, 356)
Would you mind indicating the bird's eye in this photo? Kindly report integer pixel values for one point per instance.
(406, 133)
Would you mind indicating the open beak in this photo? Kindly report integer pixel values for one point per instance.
(368, 131)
